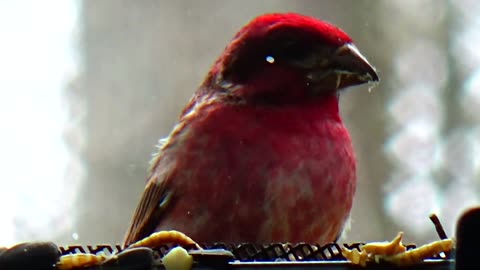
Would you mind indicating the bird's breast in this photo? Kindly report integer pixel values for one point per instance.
(264, 174)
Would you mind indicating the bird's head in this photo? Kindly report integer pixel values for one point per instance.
(285, 58)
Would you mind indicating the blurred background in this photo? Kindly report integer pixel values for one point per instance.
(88, 87)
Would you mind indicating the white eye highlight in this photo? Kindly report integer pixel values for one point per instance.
(270, 59)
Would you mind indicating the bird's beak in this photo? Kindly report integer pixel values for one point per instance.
(346, 67)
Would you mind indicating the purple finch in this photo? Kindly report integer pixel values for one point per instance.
(260, 153)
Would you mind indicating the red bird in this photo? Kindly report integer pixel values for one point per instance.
(260, 153)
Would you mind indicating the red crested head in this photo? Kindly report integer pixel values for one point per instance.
(309, 27)
(284, 58)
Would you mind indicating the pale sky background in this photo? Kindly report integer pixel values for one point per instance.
(38, 58)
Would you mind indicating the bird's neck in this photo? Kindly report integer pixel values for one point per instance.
(314, 110)
(318, 111)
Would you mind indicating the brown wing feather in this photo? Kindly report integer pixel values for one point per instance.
(154, 200)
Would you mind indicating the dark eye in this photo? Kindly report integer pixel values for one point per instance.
(292, 52)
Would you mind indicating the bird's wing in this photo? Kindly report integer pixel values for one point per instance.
(155, 199)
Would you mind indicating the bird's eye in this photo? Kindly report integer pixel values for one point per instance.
(270, 59)
(291, 52)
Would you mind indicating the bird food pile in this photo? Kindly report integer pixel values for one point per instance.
(45, 255)
(173, 250)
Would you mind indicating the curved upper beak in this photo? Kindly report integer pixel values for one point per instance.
(346, 67)
(348, 60)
